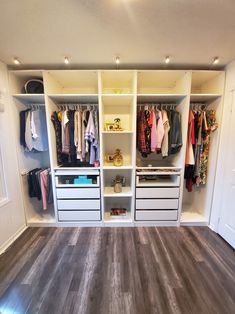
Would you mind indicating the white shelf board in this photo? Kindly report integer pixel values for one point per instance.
(75, 98)
(146, 98)
(30, 98)
(43, 218)
(204, 97)
(126, 192)
(117, 168)
(117, 132)
(76, 168)
(117, 219)
(188, 217)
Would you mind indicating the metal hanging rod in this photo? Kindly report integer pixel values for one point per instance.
(156, 106)
(35, 106)
(77, 106)
(198, 106)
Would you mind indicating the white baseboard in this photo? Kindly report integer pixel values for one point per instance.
(9, 242)
(213, 228)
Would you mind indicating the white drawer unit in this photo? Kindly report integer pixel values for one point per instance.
(157, 192)
(77, 178)
(150, 215)
(78, 204)
(157, 204)
(79, 193)
(149, 179)
(79, 215)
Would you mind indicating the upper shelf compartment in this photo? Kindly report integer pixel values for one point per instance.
(207, 83)
(163, 82)
(18, 80)
(117, 82)
(71, 82)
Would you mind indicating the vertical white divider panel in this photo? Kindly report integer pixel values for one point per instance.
(101, 123)
(183, 108)
(49, 108)
(134, 111)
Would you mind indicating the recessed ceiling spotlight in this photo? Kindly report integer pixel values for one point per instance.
(216, 60)
(17, 61)
(167, 59)
(117, 60)
(66, 60)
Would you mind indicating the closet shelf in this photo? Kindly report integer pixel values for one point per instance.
(30, 98)
(145, 98)
(192, 217)
(204, 97)
(105, 167)
(126, 192)
(117, 132)
(74, 98)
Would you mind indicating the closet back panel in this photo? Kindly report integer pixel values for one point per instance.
(162, 82)
(19, 78)
(72, 82)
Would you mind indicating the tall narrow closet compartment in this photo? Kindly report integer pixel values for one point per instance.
(28, 107)
(118, 107)
(162, 112)
(73, 119)
(204, 124)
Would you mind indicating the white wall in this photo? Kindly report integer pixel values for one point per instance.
(223, 147)
(12, 219)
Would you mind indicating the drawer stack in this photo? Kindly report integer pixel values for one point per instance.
(157, 196)
(78, 195)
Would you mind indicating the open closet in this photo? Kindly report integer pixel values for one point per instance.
(128, 182)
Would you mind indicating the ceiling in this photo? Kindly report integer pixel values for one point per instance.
(142, 32)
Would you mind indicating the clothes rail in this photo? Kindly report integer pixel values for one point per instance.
(35, 106)
(76, 106)
(156, 106)
(197, 106)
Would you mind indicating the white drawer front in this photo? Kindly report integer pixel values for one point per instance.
(79, 215)
(157, 192)
(157, 204)
(78, 204)
(156, 215)
(78, 193)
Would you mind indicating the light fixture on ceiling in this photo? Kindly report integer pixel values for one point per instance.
(66, 60)
(16, 61)
(216, 60)
(117, 60)
(167, 59)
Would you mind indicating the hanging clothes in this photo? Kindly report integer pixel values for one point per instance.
(166, 125)
(40, 186)
(158, 131)
(33, 130)
(77, 136)
(201, 124)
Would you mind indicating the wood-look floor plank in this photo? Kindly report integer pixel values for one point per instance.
(118, 270)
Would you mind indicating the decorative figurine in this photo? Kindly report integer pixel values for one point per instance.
(117, 158)
(118, 183)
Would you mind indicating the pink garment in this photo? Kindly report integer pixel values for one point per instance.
(44, 187)
(160, 130)
(189, 157)
(153, 133)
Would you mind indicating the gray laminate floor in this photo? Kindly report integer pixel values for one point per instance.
(118, 270)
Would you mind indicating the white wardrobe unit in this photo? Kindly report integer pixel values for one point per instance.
(120, 94)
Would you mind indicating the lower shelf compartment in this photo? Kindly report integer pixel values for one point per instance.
(158, 215)
(79, 215)
(192, 217)
(117, 219)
